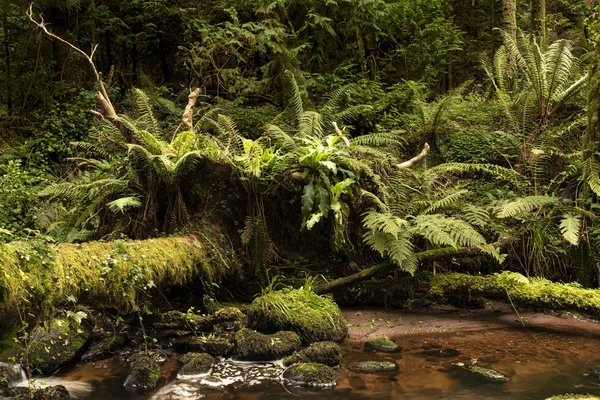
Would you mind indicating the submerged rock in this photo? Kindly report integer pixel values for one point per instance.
(314, 318)
(144, 372)
(382, 345)
(376, 366)
(216, 346)
(254, 346)
(488, 374)
(310, 374)
(327, 353)
(55, 347)
(196, 364)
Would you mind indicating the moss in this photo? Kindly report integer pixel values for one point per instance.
(327, 353)
(114, 274)
(213, 345)
(376, 366)
(57, 345)
(230, 314)
(383, 345)
(196, 363)
(574, 397)
(488, 374)
(315, 318)
(144, 372)
(310, 374)
(254, 346)
(104, 348)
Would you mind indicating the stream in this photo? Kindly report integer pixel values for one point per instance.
(539, 364)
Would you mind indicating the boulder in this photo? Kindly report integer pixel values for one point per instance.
(488, 374)
(375, 366)
(254, 346)
(314, 318)
(310, 374)
(104, 347)
(56, 346)
(327, 353)
(144, 371)
(228, 318)
(216, 346)
(382, 345)
(196, 364)
(49, 393)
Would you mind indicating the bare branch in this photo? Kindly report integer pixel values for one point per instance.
(340, 134)
(424, 153)
(102, 96)
(187, 119)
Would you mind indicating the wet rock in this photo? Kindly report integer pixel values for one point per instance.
(104, 348)
(229, 319)
(14, 393)
(441, 352)
(382, 345)
(57, 346)
(574, 397)
(314, 318)
(254, 346)
(376, 366)
(488, 374)
(144, 372)
(196, 364)
(310, 374)
(216, 346)
(594, 373)
(58, 392)
(225, 319)
(327, 353)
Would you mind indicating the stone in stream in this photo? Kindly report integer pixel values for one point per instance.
(310, 374)
(382, 345)
(225, 319)
(254, 346)
(488, 374)
(58, 392)
(56, 346)
(144, 372)
(376, 366)
(216, 346)
(196, 364)
(327, 353)
(104, 348)
(574, 397)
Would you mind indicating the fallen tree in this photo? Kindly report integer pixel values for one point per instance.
(34, 277)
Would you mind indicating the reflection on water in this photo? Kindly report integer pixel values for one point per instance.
(539, 364)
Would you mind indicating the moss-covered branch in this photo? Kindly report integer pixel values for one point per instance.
(114, 274)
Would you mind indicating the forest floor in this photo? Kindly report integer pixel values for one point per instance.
(369, 323)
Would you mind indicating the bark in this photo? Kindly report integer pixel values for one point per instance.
(424, 153)
(187, 118)
(508, 24)
(7, 57)
(538, 18)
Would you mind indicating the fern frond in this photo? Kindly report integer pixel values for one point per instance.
(296, 99)
(525, 204)
(570, 226)
(124, 203)
(445, 202)
(446, 231)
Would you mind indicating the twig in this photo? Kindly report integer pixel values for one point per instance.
(424, 153)
(514, 308)
(340, 134)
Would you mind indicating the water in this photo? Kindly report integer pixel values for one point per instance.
(539, 364)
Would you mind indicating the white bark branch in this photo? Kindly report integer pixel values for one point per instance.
(340, 133)
(187, 118)
(424, 153)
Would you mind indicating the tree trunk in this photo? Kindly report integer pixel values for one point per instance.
(508, 24)
(538, 18)
(9, 103)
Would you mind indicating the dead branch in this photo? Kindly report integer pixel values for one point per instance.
(340, 134)
(187, 118)
(424, 153)
(102, 96)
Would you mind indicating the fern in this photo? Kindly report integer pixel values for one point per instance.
(525, 204)
(124, 203)
(570, 226)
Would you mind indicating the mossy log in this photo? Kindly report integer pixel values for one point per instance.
(34, 277)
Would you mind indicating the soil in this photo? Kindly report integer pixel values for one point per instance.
(366, 323)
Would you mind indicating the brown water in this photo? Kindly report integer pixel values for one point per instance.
(539, 364)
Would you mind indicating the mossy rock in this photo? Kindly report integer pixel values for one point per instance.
(382, 345)
(216, 346)
(310, 374)
(254, 346)
(488, 374)
(144, 372)
(104, 348)
(314, 318)
(574, 397)
(58, 392)
(196, 364)
(327, 353)
(57, 346)
(376, 366)
(225, 319)
(229, 319)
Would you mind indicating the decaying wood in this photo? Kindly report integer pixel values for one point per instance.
(102, 96)
(187, 118)
(424, 153)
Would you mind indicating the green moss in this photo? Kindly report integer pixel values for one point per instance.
(327, 353)
(144, 372)
(196, 363)
(230, 314)
(57, 345)
(254, 346)
(310, 374)
(113, 274)
(376, 366)
(213, 345)
(383, 345)
(315, 318)
(574, 397)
